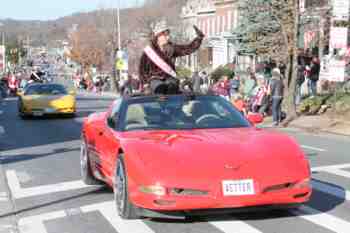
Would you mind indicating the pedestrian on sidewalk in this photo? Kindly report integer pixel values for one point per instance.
(275, 90)
(315, 69)
(299, 82)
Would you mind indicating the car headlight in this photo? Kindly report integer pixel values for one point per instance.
(303, 183)
(153, 189)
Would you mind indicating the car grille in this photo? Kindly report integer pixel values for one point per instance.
(188, 192)
(278, 187)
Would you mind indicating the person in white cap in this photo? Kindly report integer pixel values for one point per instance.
(157, 65)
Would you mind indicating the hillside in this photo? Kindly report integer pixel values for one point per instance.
(48, 32)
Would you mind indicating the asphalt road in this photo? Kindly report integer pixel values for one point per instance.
(41, 191)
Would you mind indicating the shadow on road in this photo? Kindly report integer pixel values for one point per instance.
(320, 201)
(23, 157)
(43, 131)
(101, 190)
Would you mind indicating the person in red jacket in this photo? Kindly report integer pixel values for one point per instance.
(13, 84)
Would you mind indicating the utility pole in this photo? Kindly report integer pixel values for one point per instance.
(116, 26)
(118, 22)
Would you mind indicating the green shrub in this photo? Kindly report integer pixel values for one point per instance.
(221, 71)
(311, 106)
(183, 72)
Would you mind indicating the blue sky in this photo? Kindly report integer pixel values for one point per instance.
(53, 9)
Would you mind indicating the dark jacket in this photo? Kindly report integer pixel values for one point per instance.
(149, 70)
(315, 71)
(276, 88)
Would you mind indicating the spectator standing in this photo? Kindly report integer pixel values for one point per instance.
(260, 100)
(276, 89)
(249, 85)
(196, 82)
(314, 76)
(235, 84)
(299, 82)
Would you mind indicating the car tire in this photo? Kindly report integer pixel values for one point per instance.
(21, 113)
(85, 168)
(125, 208)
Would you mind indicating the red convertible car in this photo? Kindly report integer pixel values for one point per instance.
(190, 154)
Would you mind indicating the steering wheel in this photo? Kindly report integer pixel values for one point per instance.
(207, 117)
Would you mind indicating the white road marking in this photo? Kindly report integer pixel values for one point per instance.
(313, 148)
(46, 147)
(334, 191)
(35, 224)
(108, 210)
(18, 192)
(339, 172)
(235, 226)
(4, 196)
(322, 219)
(325, 168)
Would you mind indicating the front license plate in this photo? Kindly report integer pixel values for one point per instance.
(238, 187)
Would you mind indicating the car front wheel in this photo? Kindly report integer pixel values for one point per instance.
(125, 208)
(85, 169)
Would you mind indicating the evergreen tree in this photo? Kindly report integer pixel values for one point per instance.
(269, 28)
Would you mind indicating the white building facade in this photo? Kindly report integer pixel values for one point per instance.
(217, 19)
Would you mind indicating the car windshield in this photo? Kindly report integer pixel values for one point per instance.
(201, 112)
(45, 90)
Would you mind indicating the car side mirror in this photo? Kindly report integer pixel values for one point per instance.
(111, 122)
(255, 118)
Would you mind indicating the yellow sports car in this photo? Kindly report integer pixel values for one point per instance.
(46, 99)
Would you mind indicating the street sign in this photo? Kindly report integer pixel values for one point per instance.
(338, 37)
(2, 59)
(122, 61)
(341, 9)
(120, 64)
(333, 70)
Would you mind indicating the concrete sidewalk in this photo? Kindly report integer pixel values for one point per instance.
(317, 124)
(321, 123)
(97, 95)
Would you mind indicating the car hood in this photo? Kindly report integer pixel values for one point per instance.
(201, 155)
(48, 100)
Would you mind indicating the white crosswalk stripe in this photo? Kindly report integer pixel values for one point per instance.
(323, 219)
(235, 226)
(107, 210)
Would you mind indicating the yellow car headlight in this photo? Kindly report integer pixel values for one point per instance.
(153, 189)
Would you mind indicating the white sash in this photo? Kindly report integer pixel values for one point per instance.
(156, 59)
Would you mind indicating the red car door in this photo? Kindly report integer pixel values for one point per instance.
(106, 143)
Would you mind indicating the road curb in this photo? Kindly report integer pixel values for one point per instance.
(96, 95)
